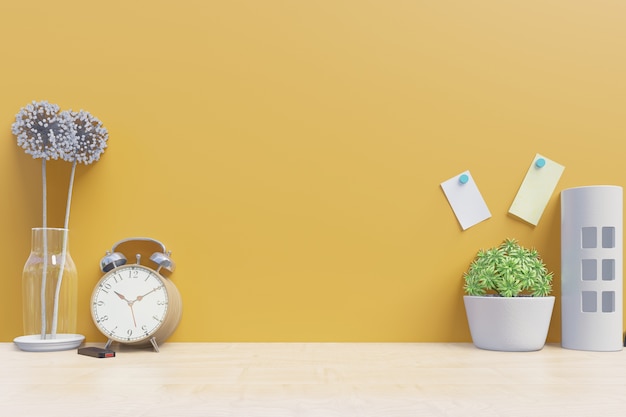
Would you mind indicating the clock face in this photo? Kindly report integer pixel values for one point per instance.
(130, 303)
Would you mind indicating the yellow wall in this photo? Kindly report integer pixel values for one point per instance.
(290, 153)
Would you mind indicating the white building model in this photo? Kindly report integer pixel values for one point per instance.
(591, 268)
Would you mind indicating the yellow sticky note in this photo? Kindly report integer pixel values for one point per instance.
(536, 189)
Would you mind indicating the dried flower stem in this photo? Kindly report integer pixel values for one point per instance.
(57, 291)
(45, 251)
(87, 139)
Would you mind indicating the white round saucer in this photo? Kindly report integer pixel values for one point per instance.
(34, 342)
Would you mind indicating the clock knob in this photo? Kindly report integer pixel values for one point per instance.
(112, 260)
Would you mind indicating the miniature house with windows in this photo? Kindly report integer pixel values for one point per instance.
(591, 268)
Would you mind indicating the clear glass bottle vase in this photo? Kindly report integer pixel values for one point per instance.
(49, 297)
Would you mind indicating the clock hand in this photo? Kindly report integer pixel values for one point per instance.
(122, 297)
(130, 304)
(140, 297)
(133, 313)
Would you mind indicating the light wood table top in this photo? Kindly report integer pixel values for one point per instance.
(313, 379)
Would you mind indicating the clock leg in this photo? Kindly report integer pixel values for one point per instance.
(108, 344)
(154, 344)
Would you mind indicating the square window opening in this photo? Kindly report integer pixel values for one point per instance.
(608, 269)
(608, 301)
(608, 237)
(589, 237)
(589, 302)
(589, 269)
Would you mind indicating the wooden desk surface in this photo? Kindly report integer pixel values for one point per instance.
(313, 379)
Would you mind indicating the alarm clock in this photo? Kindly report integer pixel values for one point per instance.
(134, 304)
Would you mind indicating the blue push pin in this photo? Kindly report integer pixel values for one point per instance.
(463, 179)
(540, 163)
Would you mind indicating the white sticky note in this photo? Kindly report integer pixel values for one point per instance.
(536, 189)
(466, 201)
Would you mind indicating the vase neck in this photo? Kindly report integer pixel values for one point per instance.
(50, 239)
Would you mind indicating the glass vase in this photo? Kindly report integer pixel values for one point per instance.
(49, 293)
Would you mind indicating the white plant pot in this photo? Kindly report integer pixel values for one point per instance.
(511, 324)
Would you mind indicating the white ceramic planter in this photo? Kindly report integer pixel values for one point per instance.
(511, 324)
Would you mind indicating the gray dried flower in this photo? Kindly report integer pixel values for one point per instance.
(88, 139)
(40, 130)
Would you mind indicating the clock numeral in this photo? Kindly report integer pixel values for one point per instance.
(103, 318)
(134, 273)
(100, 303)
(161, 303)
(106, 286)
(156, 318)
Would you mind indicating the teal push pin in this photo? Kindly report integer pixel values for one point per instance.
(540, 163)
(463, 179)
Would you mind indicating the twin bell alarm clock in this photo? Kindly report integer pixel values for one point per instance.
(135, 304)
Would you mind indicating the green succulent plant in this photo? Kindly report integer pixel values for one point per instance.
(508, 270)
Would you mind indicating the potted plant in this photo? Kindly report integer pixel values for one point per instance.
(508, 302)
